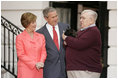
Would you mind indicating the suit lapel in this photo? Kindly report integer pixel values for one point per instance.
(49, 40)
(60, 32)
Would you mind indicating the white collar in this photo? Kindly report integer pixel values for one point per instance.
(92, 25)
(50, 26)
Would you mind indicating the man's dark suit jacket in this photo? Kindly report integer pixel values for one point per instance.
(84, 51)
(54, 66)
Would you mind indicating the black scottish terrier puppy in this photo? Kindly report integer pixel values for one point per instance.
(70, 32)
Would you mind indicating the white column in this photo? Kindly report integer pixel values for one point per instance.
(112, 39)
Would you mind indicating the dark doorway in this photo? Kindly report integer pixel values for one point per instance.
(102, 22)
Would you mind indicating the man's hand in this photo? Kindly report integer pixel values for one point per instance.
(64, 36)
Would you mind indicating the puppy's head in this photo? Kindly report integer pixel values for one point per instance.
(70, 32)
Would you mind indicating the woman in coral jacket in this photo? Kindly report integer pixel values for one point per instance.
(30, 48)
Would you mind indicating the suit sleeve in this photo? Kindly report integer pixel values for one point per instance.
(21, 54)
(67, 27)
(43, 52)
(83, 42)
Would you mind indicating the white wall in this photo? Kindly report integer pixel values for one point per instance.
(12, 10)
(112, 38)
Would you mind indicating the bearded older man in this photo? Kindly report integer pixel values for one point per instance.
(83, 53)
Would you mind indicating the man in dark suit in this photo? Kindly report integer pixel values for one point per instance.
(54, 66)
(83, 52)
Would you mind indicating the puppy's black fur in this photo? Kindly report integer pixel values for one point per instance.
(70, 32)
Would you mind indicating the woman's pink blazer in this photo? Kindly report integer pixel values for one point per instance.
(29, 52)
